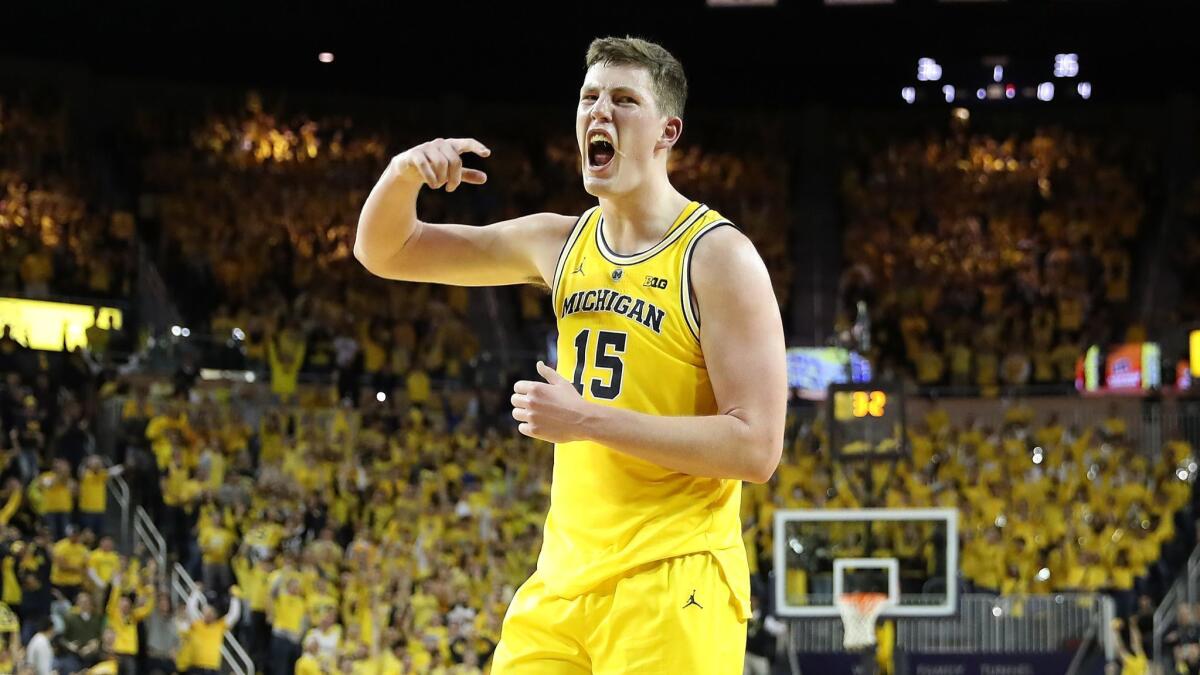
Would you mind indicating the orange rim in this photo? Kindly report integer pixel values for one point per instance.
(864, 602)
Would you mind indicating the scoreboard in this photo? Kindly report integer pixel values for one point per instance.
(866, 421)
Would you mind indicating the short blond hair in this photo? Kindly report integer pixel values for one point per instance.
(666, 73)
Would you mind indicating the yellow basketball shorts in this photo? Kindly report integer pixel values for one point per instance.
(673, 616)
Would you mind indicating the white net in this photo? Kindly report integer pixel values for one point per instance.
(859, 611)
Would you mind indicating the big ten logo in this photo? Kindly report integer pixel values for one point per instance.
(655, 282)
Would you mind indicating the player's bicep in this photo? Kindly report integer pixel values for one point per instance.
(741, 335)
(510, 252)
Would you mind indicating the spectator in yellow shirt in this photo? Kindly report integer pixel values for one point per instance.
(286, 611)
(93, 493)
(58, 498)
(103, 564)
(124, 615)
(310, 662)
(69, 559)
(206, 630)
(216, 547)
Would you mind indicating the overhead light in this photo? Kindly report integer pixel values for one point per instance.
(961, 113)
(1084, 89)
(1045, 91)
(981, 93)
(948, 92)
(1066, 65)
(928, 70)
(185, 332)
(380, 396)
(325, 57)
(176, 331)
(1010, 91)
(997, 73)
(908, 94)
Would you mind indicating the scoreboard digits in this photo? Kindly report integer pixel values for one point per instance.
(850, 405)
(866, 420)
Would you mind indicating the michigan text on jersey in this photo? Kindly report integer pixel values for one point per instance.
(608, 300)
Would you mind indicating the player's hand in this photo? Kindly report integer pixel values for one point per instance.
(552, 410)
(438, 163)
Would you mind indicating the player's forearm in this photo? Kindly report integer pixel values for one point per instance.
(712, 446)
(387, 221)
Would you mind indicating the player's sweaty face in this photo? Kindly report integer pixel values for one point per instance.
(617, 126)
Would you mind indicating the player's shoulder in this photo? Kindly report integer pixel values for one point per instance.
(724, 263)
(718, 242)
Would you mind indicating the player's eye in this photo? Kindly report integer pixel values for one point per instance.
(588, 98)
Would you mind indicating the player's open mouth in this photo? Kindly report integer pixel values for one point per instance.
(600, 150)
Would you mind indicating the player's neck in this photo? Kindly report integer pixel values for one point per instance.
(638, 220)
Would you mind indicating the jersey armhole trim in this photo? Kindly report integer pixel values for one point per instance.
(568, 245)
(692, 319)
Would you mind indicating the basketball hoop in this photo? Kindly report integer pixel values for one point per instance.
(859, 611)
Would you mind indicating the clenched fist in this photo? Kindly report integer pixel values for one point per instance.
(439, 163)
(551, 411)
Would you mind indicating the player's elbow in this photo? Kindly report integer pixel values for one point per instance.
(764, 459)
(373, 263)
(364, 257)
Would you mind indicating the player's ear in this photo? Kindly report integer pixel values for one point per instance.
(672, 130)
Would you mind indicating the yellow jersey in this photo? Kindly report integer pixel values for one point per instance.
(70, 561)
(629, 338)
(204, 640)
(93, 496)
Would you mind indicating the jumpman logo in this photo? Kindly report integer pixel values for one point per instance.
(579, 270)
(692, 601)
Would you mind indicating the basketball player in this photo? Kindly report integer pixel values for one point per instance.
(670, 387)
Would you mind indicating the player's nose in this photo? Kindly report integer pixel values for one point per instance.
(602, 109)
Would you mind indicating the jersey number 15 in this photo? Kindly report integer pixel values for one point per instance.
(609, 346)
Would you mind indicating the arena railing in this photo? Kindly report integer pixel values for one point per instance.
(119, 489)
(1185, 590)
(147, 535)
(984, 624)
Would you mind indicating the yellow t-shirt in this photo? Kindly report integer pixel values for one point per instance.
(69, 561)
(216, 543)
(125, 639)
(93, 496)
(289, 613)
(204, 643)
(419, 387)
(1135, 664)
(108, 667)
(105, 564)
(56, 494)
(308, 665)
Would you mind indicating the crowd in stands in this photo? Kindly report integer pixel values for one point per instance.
(991, 259)
(69, 601)
(51, 239)
(297, 514)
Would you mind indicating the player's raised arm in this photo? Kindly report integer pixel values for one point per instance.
(393, 243)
